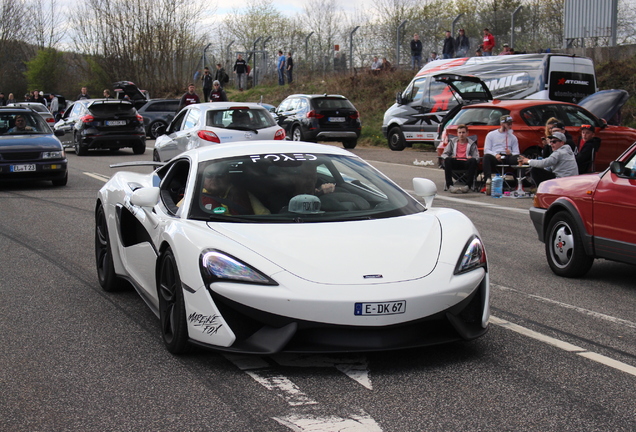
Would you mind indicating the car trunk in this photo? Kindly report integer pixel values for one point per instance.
(114, 117)
(335, 114)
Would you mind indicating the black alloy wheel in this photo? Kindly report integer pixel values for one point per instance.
(172, 313)
(103, 254)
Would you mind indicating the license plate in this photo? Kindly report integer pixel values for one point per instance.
(115, 122)
(336, 119)
(383, 308)
(22, 168)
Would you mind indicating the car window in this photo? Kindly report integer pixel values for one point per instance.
(284, 106)
(479, 116)
(576, 116)
(332, 103)
(175, 126)
(291, 187)
(22, 123)
(303, 105)
(77, 109)
(252, 118)
(169, 106)
(539, 115)
(415, 91)
(532, 117)
(192, 119)
(108, 109)
(172, 187)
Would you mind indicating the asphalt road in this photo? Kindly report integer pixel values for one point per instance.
(560, 354)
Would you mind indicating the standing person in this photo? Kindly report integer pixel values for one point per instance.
(11, 99)
(240, 69)
(83, 94)
(54, 105)
(207, 83)
(561, 162)
(37, 97)
(3, 101)
(376, 65)
(106, 94)
(281, 68)
(416, 52)
(448, 50)
(189, 97)
(217, 94)
(462, 44)
(386, 65)
(220, 75)
(488, 43)
(588, 145)
(501, 148)
(290, 67)
(461, 153)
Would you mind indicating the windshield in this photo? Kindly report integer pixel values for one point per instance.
(22, 123)
(111, 108)
(296, 187)
(240, 118)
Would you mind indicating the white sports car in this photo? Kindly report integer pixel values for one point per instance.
(273, 246)
(214, 123)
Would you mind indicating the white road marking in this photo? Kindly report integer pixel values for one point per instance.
(356, 368)
(283, 387)
(98, 176)
(599, 358)
(355, 423)
(584, 311)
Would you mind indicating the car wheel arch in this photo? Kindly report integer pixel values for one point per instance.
(563, 204)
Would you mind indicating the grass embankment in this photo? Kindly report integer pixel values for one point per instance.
(371, 95)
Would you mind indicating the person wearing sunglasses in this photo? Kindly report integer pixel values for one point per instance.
(561, 163)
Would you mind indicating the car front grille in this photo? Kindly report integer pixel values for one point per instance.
(20, 156)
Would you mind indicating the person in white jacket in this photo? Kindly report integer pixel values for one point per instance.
(561, 163)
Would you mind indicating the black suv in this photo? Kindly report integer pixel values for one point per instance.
(158, 113)
(320, 118)
(102, 123)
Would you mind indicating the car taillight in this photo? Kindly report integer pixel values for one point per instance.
(50, 120)
(208, 136)
(87, 118)
(280, 134)
(140, 118)
(355, 115)
(314, 114)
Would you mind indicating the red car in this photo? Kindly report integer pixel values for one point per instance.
(589, 216)
(529, 117)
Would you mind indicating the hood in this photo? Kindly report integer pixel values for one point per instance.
(343, 253)
(606, 104)
(29, 143)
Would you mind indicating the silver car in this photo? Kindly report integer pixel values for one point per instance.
(212, 123)
(39, 108)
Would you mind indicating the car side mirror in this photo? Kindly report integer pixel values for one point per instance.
(603, 123)
(617, 168)
(145, 197)
(58, 132)
(398, 98)
(426, 189)
(161, 130)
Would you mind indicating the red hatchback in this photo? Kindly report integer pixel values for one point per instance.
(589, 216)
(530, 116)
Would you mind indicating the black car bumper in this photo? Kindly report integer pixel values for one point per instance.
(105, 141)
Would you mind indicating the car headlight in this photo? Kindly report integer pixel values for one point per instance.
(53, 155)
(474, 256)
(217, 266)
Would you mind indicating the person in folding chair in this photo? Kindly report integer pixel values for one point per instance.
(461, 154)
(586, 149)
(501, 148)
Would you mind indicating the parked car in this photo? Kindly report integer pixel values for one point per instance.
(271, 246)
(29, 149)
(102, 124)
(320, 118)
(212, 123)
(41, 109)
(529, 118)
(589, 216)
(157, 114)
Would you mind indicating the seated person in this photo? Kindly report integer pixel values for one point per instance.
(588, 145)
(220, 196)
(561, 163)
(501, 147)
(461, 153)
(20, 125)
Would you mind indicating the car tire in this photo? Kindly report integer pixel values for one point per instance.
(155, 156)
(564, 247)
(350, 143)
(297, 134)
(106, 275)
(152, 129)
(60, 182)
(139, 148)
(397, 142)
(80, 148)
(172, 314)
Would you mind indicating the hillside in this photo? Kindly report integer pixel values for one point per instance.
(373, 94)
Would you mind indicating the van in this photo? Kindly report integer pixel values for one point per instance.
(418, 110)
